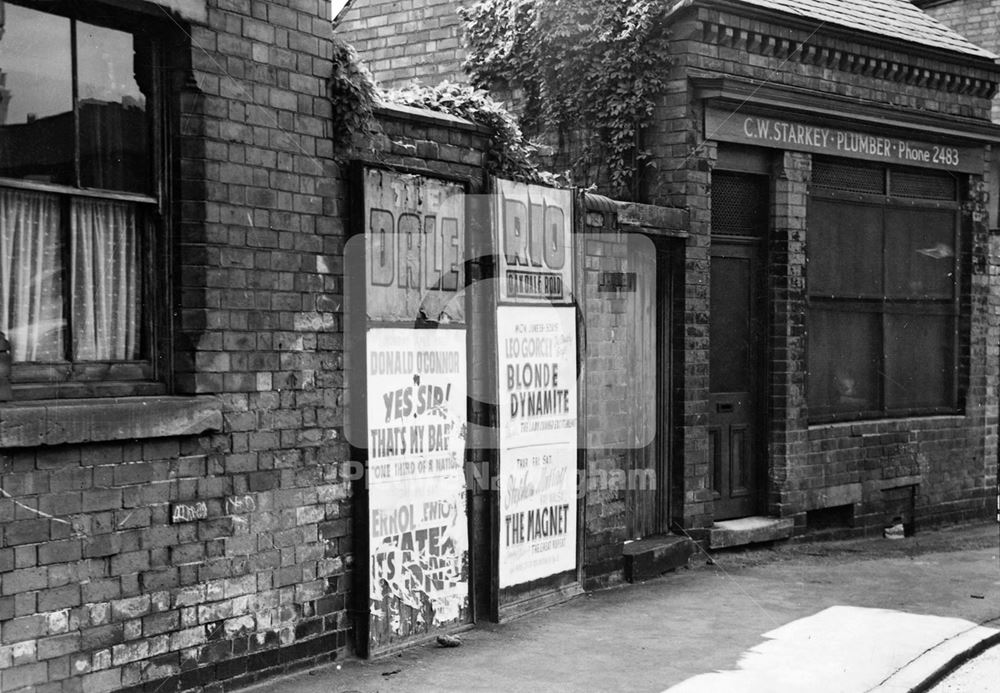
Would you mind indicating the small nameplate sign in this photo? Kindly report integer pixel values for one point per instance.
(616, 282)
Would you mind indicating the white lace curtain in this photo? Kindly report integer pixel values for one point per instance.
(104, 281)
(103, 278)
(31, 309)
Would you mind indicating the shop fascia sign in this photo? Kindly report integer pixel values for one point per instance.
(750, 128)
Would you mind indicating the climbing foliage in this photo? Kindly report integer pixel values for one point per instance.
(589, 69)
(509, 155)
(353, 96)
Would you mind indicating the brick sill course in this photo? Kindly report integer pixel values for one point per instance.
(59, 422)
(870, 425)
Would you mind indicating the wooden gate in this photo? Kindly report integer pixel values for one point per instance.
(644, 501)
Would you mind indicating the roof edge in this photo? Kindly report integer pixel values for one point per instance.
(816, 26)
(930, 3)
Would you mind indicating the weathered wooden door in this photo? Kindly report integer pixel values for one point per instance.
(737, 320)
(647, 316)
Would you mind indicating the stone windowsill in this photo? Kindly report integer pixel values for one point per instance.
(868, 426)
(59, 422)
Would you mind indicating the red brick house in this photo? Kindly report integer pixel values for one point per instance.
(174, 510)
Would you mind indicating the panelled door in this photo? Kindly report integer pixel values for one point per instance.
(737, 334)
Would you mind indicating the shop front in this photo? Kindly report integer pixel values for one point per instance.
(838, 273)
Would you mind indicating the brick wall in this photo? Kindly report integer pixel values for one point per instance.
(976, 20)
(405, 40)
(432, 142)
(260, 292)
(204, 539)
(111, 587)
(603, 412)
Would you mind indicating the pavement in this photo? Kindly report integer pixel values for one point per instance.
(860, 615)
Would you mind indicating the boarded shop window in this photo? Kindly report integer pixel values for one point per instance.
(883, 299)
(78, 203)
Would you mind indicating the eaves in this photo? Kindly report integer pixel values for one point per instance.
(828, 29)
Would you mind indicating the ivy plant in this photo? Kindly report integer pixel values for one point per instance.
(590, 70)
(510, 154)
(354, 96)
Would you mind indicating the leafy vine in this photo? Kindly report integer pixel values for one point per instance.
(510, 153)
(589, 69)
(354, 96)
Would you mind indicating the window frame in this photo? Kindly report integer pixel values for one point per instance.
(149, 373)
(886, 307)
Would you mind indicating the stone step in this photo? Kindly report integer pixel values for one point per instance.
(749, 530)
(651, 557)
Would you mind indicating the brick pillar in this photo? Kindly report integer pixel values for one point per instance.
(788, 339)
(992, 441)
(984, 288)
(694, 509)
(992, 413)
(682, 179)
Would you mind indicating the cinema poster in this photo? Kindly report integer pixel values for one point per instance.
(534, 227)
(538, 442)
(418, 529)
(414, 248)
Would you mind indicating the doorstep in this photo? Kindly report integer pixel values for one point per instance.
(749, 530)
(649, 558)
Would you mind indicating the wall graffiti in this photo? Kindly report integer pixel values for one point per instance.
(188, 512)
(211, 508)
